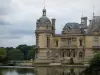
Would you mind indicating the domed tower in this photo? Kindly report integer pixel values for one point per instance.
(44, 31)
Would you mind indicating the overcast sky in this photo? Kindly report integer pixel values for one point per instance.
(18, 17)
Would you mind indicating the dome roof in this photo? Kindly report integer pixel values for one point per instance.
(94, 24)
(44, 20)
(71, 25)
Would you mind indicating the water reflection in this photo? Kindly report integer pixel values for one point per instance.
(58, 71)
(42, 71)
(16, 71)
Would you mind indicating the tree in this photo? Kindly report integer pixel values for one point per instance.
(15, 54)
(25, 49)
(8, 51)
(2, 54)
(31, 54)
(95, 61)
(94, 65)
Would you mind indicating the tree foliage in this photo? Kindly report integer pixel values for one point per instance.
(94, 65)
(95, 61)
(25, 50)
(16, 54)
(21, 52)
(2, 52)
(31, 54)
(3, 56)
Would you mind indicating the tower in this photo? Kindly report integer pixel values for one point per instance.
(44, 31)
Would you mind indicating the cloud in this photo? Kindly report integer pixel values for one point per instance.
(18, 17)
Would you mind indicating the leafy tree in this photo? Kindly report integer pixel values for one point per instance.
(95, 61)
(2, 54)
(31, 54)
(15, 54)
(25, 49)
(8, 51)
(94, 65)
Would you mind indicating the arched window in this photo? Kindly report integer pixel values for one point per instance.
(80, 55)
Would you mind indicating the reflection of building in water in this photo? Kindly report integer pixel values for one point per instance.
(58, 71)
(77, 40)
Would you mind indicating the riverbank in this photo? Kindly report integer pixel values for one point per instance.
(42, 65)
(16, 67)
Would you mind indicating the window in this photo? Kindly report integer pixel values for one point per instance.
(56, 43)
(69, 42)
(80, 55)
(47, 27)
(73, 53)
(68, 53)
(63, 54)
(48, 41)
(81, 42)
(60, 53)
(48, 54)
(95, 41)
(37, 40)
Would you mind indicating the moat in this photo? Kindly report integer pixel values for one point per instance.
(43, 71)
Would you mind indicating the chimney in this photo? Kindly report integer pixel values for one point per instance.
(53, 25)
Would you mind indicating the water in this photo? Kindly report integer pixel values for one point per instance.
(42, 71)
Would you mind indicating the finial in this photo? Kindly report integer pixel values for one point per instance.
(44, 10)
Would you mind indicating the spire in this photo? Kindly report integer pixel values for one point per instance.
(93, 11)
(44, 10)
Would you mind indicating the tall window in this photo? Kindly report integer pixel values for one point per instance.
(73, 53)
(37, 40)
(68, 53)
(69, 42)
(63, 54)
(48, 42)
(80, 55)
(95, 41)
(56, 43)
(80, 42)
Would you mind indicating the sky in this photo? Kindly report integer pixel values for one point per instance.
(18, 17)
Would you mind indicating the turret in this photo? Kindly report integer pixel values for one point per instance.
(43, 31)
(84, 21)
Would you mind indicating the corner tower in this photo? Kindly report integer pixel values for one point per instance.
(44, 31)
